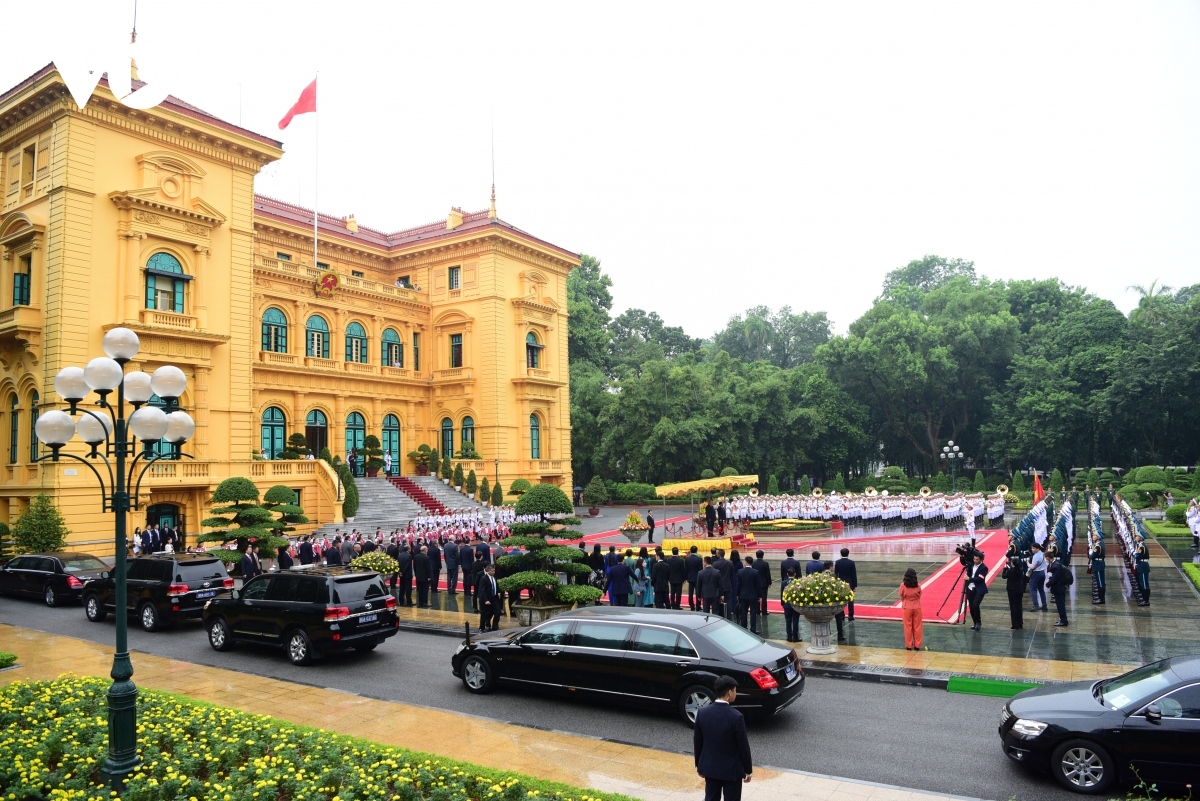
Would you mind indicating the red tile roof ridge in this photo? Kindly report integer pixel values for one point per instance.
(14, 90)
(323, 218)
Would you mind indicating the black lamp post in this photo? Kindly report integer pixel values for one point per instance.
(951, 453)
(118, 437)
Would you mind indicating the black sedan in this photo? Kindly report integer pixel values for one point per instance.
(664, 658)
(1141, 726)
(53, 577)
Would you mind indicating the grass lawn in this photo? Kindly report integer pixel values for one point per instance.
(1161, 528)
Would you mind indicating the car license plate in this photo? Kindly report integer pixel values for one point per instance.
(368, 618)
(206, 594)
(790, 672)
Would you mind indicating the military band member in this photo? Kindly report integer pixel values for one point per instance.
(1096, 555)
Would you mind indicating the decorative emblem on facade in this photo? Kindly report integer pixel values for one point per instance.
(327, 284)
(147, 217)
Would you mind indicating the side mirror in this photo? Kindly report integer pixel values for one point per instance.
(234, 594)
(105, 575)
(1153, 713)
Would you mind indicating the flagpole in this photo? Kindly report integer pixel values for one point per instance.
(316, 175)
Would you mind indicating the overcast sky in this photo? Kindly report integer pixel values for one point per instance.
(718, 156)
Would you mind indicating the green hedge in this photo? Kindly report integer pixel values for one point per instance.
(1192, 571)
(1176, 514)
(55, 742)
(7, 659)
(1161, 529)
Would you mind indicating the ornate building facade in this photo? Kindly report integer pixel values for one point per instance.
(442, 334)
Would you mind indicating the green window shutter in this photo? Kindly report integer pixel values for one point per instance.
(281, 336)
(178, 296)
(349, 349)
(266, 336)
(150, 291)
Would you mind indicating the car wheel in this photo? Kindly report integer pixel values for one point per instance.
(49, 595)
(365, 647)
(1082, 766)
(477, 675)
(299, 648)
(94, 609)
(148, 616)
(219, 636)
(692, 700)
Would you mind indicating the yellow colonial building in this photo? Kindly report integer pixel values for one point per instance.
(448, 332)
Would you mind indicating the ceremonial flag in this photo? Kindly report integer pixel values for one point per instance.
(306, 103)
(1038, 492)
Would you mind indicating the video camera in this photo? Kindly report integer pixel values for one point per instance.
(967, 553)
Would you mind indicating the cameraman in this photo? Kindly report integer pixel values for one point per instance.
(1014, 576)
(976, 587)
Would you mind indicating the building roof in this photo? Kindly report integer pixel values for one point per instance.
(328, 225)
(172, 103)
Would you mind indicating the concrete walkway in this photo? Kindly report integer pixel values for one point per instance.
(581, 761)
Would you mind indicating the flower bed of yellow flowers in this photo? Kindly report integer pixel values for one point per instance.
(54, 738)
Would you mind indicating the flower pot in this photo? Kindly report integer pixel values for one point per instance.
(422, 470)
(458, 489)
(530, 614)
(446, 481)
(350, 519)
(593, 511)
(372, 472)
(819, 617)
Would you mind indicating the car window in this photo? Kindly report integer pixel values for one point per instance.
(163, 571)
(655, 641)
(256, 590)
(732, 639)
(79, 564)
(357, 588)
(1184, 703)
(45, 564)
(549, 634)
(18, 563)
(200, 571)
(283, 588)
(1137, 686)
(138, 569)
(312, 591)
(601, 635)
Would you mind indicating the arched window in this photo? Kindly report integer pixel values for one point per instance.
(391, 441)
(316, 431)
(274, 331)
(165, 282)
(468, 431)
(33, 418)
(356, 432)
(447, 437)
(274, 426)
(533, 351)
(317, 335)
(165, 449)
(14, 431)
(535, 437)
(393, 349)
(356, 343)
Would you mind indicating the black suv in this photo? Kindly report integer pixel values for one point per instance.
(306, 612)
(159, 589)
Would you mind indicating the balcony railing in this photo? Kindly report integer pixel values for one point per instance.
(165, 319)
(395, 372)
(356, 367)
(320, 364)
(283, 359)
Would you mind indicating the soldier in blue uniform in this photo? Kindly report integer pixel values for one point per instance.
(1096, 554)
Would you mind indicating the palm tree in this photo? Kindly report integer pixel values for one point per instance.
(756, 331)
(1151, 296)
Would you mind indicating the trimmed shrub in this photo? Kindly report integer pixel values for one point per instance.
(447, 471)
(633, 492)
(979, 485)
(519, 487)
(1177, 514)
(544, 499)
(1018, 482)
(706, 473)
(805, 485)
(941, 483)
(41, 528)
(485, 491)
(772, 485)
(457, 476)
(497, 495)
(472, 484)
(373, 452)
(728, 471)
(595, 493)
(1056, 480)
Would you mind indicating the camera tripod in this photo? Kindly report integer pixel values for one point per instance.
(962, 596)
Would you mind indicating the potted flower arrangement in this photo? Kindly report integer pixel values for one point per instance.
(378, 561)
(819, 597)
(634, 528)
(594, 494)
(421, 456)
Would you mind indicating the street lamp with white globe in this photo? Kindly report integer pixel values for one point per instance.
(951, 453)
(113, 441)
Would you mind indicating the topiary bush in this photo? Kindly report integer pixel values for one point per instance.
(1177, 514)
(519, 487)
(472, 484)
(633, 492)
(706, 473)
(485, 491)
(805, 485)
(1018, 482)
(238, 517)
(538, 567)
(1056, 480)
(447, 471)
(372, 452)
(41, 528)
(979, 485)
(497, 495)
(728, 471)
(595, 492)
(349, 491)
(772, 485)
(941, 483)
(281, 500)
(457, 477)
(544, 499)
(298, 444)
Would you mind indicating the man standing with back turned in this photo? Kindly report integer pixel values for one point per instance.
(721, 746)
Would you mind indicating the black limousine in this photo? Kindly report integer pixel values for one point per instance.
(639, 656)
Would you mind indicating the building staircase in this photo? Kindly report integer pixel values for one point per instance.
(380, 505)
(443, 493)
(417, 494)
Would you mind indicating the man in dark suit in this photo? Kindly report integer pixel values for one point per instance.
(725, 568)
(406, 576)
(483, 551)
(155, 540)
(146, 541)
(450, 553)
(694, 564)
(488, 595)
(708, 588)
(722, 516)
(790, 563)
(976, 588)
(333, 556)
(845, 570)
(721, 746)
(306, 551)
(620, 583)
(660, 577)
(710, 517)
(678, 572)
(476, 577)
(747, 601)
(815, 565)
(764, 580)
(650, 523)
(422, 567)
(251, 567)
(435, 565)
